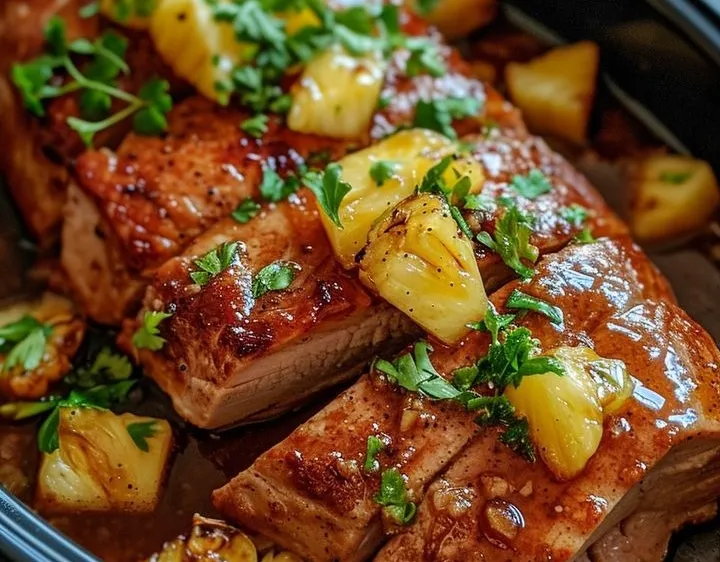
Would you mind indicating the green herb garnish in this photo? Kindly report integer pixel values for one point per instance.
(532, 185)
(584, 236)
(107, 367)
(140, 432)
(274, 277)
(675, 178)
(246, 211)
(23, 343)
(522, 301)
(393, 497)
(147, 336)
(438, 115)
(374, 446)
(575, 214)
(255, 126)
(329, 190)
(381, 171)
(214, 262)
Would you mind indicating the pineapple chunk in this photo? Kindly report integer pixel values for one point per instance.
(457, 18)
(411, 154)
(418, 260)
(673, 195)
(134, 14)
(98, 466)
(65, 329)
(566, 413)
(198, 48)
(556, 91)
(337, 94)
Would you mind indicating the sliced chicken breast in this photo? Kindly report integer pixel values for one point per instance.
(310, 494)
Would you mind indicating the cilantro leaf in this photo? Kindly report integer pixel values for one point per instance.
(277, 276)
(147, 336)
(140, 432)
(512, 241)
(246, 211)
(374, 446)
(255, 126)
(329, 190)
(381, 171)
(532, 185)
(393, 497)
(214, 262)
(522, 301)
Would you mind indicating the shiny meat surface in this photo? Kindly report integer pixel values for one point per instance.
(309, 493)
(661, 451)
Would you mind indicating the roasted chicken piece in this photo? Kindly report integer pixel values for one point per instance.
(311, 494)
(659, 461)
(230, 359)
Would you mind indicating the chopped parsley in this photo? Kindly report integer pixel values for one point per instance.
(675, 178)
(381, 171)
(522, 301)
(511, 240)
(255, 126)
(96, 84)
(214, 262)
(584, 236)
(424, 58)
(438, 115)
(147, 336)
(246, 211)
(575, 214)
(107, 367)
(493, 323)
(329, 190)
(273, 188)
(479, 202)
(393, 497)
(123, 10)
(532, 185)
(140, 432)
(23, 344)
(375, 446)
(274, 277)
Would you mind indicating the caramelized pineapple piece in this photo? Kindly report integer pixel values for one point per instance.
(198, 48)
(556, 91)
(418, 260)
(457, 18)
(134, 14)
(566, 413)
(337, 94)
(100, 466)
(56, 328)
(408, 155)
(672, 195)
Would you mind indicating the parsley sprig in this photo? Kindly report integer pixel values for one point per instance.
(214, 262)
(393, 496)
(276, 276)
(36, 82)
(329, 190)
(23, 344)
(147, 336)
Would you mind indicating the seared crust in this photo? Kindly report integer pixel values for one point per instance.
(309, 494)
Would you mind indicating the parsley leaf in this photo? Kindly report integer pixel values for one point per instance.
(274, 277)
(512, 240)
(255, 126)
(374, 446)
(214, 262)
(424, 7)
(532, 185)
(517, 437)
(493, 322)
(273, 188)
(89, 10)
(393, 497)
(151, 118)
(147, 336)
(575, 214)
(424, 58)
(23, 342)
(329, 190)
(584, 236)
(106, 367)
(381, 171)
(438, 115)
(246, 211)
(140, 432)
(522, 301)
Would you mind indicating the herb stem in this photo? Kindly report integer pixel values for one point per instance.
(99, 86)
